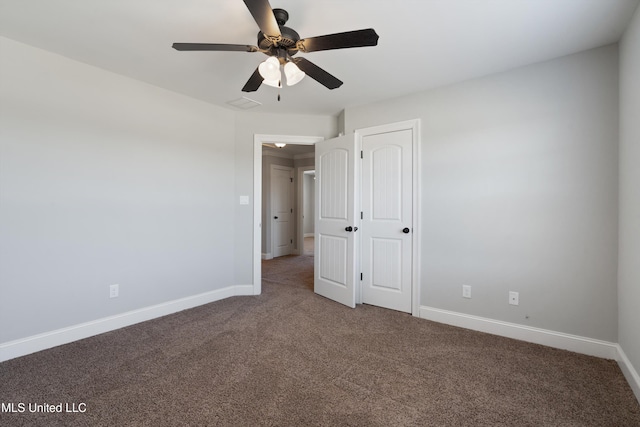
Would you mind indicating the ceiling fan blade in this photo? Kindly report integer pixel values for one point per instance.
(253, 83)
(214, 47)
(263, 14)
(358, 38)
(317, 73)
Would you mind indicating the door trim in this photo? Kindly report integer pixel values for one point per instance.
(258, 140)
(414, 126)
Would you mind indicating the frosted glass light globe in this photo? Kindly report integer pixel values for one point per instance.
(270, 69)
(293, 73)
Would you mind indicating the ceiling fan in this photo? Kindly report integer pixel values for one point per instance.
(281, 43)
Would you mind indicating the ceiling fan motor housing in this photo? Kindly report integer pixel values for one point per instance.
(288, 40)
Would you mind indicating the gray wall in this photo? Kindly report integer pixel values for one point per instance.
(519, 192)
(106, 180)
(629, 249)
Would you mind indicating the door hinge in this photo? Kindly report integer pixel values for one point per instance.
(361, 154)
(360, 276)
(291, 210)
(292, 241)
(361, 215)
(291, 179)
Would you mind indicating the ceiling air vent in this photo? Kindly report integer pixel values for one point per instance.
(244, 103)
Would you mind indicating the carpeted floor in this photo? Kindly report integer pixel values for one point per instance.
(291, 358)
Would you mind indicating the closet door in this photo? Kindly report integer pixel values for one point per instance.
(387, 218)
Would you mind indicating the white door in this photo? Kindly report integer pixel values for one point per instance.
(387, 219)
(335, 221)
(281, 210)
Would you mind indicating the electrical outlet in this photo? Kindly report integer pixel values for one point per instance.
(114, 290)
(466, 291)
(514, 298)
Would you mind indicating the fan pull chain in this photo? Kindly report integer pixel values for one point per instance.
(279, 86)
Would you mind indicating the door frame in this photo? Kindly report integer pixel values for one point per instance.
(258, 140)
(414, 126)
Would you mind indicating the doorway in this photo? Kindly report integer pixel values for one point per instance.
(258, 227)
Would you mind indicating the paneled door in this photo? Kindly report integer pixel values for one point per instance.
(335, 220)
(281, 210)
(387, 218)
(365, 209)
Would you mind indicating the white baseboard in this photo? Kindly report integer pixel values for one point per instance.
(267, 256)
(309, 234)
(629, 372)
(32, 344)
(578, 344)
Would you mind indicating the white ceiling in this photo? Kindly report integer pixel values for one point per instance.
(423, 43)
(289, 151)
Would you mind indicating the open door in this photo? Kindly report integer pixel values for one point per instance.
(335, 214)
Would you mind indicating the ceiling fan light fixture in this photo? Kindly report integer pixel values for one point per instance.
(293, 73)
(270, 69)
(280, 144)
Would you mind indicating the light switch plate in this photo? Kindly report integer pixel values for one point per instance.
(466, 291)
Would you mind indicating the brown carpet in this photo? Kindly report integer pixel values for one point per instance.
(289, 357)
